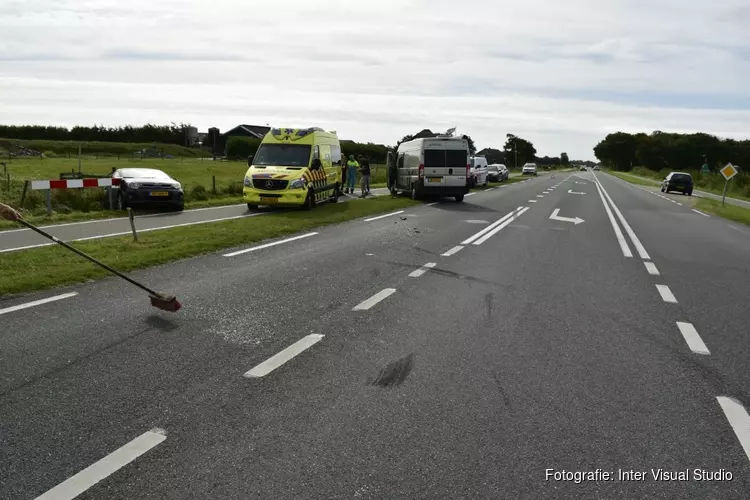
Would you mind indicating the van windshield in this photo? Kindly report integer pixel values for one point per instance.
(283, 155)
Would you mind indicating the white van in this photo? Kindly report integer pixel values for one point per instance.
(478, 172)
(436, 166)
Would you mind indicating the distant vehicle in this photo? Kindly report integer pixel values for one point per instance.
(596, 167)
(294, 167)
(478, 172)
(529, 169)
(583, 168)
(147, 186)
(497, 172)
(678, 181)
(436, 166)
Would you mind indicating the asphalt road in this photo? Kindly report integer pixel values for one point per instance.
(377, 360)
(22, 239)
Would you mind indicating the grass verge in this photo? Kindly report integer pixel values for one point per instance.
(731, 212)
(48, 267)
(634, 180)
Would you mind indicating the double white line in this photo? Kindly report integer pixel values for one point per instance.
(620, 238)
(491, 230)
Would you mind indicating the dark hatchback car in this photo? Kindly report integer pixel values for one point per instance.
(678, 181)
(147, 187)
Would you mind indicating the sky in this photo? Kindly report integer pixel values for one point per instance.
(560, 74)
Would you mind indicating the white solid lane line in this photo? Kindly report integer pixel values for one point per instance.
(431, 204)
(666, 294)
(105, 467)
(499, 228)
(452, 251)
(699, 212)
(618, 233)
(367, 304)
(738, 419)
(124, 233)
(37, 302)
(490, 227)
(384, 216)
(651, 268)
(268, 245)
(694, 341)
(636, 242)
(471, 194)
(419, 272)
(282, 357)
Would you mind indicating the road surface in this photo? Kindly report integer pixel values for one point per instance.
(473, 350)
(23, 239)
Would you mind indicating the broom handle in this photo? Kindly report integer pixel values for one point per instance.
(86, 256)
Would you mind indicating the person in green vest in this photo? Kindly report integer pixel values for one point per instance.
(351, 174)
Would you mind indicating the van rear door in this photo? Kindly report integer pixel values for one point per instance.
(445, 163)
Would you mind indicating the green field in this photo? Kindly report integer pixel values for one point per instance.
(205, 182)
(730, 212)
(47, 267)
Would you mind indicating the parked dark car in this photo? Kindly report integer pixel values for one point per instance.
(497, 172)
(147, 187)
(678, 181)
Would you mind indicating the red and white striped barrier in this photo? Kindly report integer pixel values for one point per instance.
(75, 183)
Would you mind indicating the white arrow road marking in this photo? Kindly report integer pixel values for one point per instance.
(554, 216)
(573, 192)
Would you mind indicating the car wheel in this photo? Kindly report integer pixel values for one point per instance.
(666, 189)
(121, 204)
(459, 198)
(662, 189)
(690, 193)
(252, 207)
(309, 201)
(179, 208)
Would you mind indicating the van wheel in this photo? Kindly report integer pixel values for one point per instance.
(414, 193)
(252, 207)
(336, 194)
(309, 201)
(459, 198)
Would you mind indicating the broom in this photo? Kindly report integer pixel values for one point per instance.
(158, 300)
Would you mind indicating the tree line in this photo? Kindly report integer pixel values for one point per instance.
(663, 150)
(167, 134)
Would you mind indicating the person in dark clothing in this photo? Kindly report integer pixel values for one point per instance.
(343, 172)
(364, 169)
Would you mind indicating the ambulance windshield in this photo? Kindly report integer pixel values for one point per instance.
(283, 155)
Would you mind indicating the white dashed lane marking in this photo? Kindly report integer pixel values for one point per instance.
(666, 294)
(284, 356)
(699, 212)
(738, 419)
(419, 272)
(651, 268)
(105, 467)
(268, 245)
(694, 341)
(381, 295)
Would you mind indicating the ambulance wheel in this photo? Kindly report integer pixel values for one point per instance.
(252, 207)
(310, 200)
(336, 193)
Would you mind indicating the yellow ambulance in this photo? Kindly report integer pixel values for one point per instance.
(294, 167)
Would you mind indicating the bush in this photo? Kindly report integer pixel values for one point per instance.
(198, 193)
(234, 188)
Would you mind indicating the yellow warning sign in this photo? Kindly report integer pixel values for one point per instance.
(729, 171)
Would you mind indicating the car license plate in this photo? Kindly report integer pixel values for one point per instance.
(434, 179)
(269, 201)
(159, 193)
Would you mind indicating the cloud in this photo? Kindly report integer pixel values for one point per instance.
(563, 75)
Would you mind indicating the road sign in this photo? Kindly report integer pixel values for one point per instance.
(729, 171)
